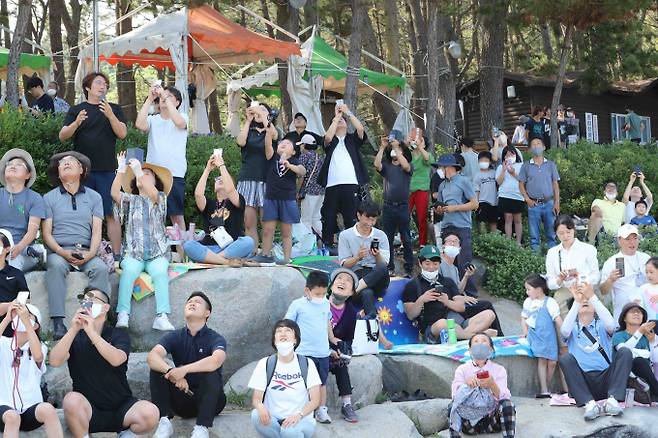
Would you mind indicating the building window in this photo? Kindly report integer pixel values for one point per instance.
(618, 134)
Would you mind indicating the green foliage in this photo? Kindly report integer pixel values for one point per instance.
(239, 399)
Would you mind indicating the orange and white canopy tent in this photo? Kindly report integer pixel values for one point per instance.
(190, 41)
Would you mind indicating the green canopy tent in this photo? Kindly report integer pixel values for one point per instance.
(28, 64)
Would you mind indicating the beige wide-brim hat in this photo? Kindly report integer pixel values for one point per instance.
(161, 172)
(23, 155)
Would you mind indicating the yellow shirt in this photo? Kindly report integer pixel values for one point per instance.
(613, 214)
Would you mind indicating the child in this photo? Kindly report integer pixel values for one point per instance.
(311, 193)
(484, 183)
(649, 290)
(540, 318)
(280, 198)
(311, 312)
(641, 216)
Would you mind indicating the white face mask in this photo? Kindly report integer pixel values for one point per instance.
(611, 196)
(429, 275)
(451, 251)
(317, 300)
(96, 310)
(510, 160)
(484, 165)
(284, 348)
(441, 173)
(393, 153)
(51, 92)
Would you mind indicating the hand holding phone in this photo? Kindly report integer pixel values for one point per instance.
(22, 297)
(619, 266)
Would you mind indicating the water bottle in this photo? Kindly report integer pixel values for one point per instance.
(443, 336)
(452, 333)
(630, 398)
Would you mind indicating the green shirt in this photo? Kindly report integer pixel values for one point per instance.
(420, 179)
(633, 120)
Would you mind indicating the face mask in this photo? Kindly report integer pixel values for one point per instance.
(96, 310)
(484, 165)
(284, 348)
(317, 300)
(451, 251)
(393, 153)
(310, 147)
(480, 352)
(429, 275)
(338, 299)
(510, 160)
(611, 196)
(441, 173)
(537, 152)
(51, 92)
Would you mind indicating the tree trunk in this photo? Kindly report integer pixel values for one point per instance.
(393, 32)
(546, 41)
(311, 13)
(266, 15)
(72, 25)
(15, 50)
(557, 93)
(213, 113)
(491, 68)
(4, 20)
(125, 74)
(435, 76)
(288, 18)
(359, 11)
(56, 44)
(445, 122)
(419, 60)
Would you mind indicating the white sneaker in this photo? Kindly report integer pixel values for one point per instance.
(122, 319)
(322, 415)
(200, 432)
(126, 434)
(161, 322)
(165, 429)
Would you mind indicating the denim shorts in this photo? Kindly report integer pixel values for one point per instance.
(322, 365)
(285, 211)
(101, 182)
(176, 198)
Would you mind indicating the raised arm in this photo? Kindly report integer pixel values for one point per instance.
(142, 116)
(241, 139)
(175, 116)
(627, 193)
(380, 154)
(404, 163)
(200, 189)
(144, 184)
(360, 130)
(647, 193)
(115, 191)
(331, 131)
(227, 179)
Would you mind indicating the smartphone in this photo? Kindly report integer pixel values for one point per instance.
(219, 152)
(583, 278)
(438, 288)
(22, 297)
(390, 137)
(254, 104)
(496, 132)
(86, 305)
(340, 102)
(572, 273)
(482, 374)
(419, 134)
(157, 83)
(470, 266)
(637, 170)
(77, 256)
(374, 245)
(619, 265)
(136, 153)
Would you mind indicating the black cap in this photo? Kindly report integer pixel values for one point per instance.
(624, 311)
(203, 296)
(302, 116)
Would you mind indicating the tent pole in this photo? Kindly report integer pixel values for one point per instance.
(95, 34)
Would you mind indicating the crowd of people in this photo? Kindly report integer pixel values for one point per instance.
(285, 179)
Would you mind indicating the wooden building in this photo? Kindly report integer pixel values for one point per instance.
(522, 92)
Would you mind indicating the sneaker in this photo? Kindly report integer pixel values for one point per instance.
(348, 414)
(612, 408)
(592, 411)
(322, 415)
(127, 434)
(165, 429)
(264, 260)
(199, 432)
(122, 319)
(161, 322)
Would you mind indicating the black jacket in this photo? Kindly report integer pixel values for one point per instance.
(353, 144)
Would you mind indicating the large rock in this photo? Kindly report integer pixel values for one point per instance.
(365, 375)
(434, 375)
(375, 421)
(246, 304)
(429, 416)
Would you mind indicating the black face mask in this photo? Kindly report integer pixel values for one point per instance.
(258, 125)
(310, 147)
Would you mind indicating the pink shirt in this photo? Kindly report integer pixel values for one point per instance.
(469, 369)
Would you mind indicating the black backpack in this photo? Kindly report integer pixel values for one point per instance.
(270, 366)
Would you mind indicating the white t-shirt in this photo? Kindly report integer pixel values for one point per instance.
(630, 210)
(286, 394)
(167, 144)
(341, 169)
(510, 187)
(530, 306)
(581, 256)
(29, 377)
(627, 288)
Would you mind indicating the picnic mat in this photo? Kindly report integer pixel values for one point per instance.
(306, 264)
(504, 346)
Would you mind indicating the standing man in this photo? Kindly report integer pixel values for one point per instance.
(299, 122)
(42, 102)
(539, 185)
(21, 208)
(456, 199)
(95, 126)
(193, 387)
(167, 143)
(97, 355)
(71, 232)
(61, 106)
(633, 125)
(342, 172)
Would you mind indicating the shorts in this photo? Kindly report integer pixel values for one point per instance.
(101, 182)
(487, 213)
(29, 420)
(322, 365)
(285, 211)
(176, 198)
(513, 206)
(110, 420)
(458, 318)
(253, 193)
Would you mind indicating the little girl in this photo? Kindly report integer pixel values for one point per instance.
(484, 183)
(540, 318)
(649, 290)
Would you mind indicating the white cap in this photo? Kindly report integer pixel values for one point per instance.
(34, 311)
(307, 139)
(626, 230)
(6, 233)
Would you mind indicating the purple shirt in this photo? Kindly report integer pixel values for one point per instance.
(336, 315)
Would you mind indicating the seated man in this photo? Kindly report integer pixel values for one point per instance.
(587, 367)
(193, 387)
(364, 249)
(12, 280)
(71, 231)
(97, 355)
(632, 194)
(430, 296)
(21, 209)
(607, 213)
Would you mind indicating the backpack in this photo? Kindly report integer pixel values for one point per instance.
(270, 366)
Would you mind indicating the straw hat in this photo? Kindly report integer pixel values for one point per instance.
(161, 172)
(23, 155)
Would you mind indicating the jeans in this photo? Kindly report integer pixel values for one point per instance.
(537, 214)
(25, 262)
(206, 403)
(395, 217)
(303, 429)
(158, 270)
(239, 249)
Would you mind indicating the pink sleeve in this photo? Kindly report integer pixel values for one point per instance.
(500, 376)
(459, 380)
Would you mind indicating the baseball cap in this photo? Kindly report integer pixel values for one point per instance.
(300, 115)
(307, 139)
(7, 234)
(429, 252)
(626, 230)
